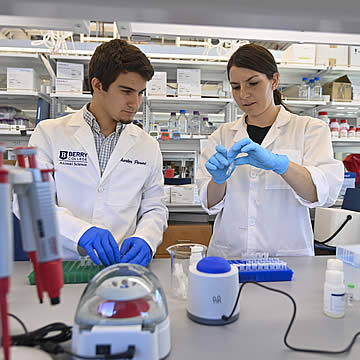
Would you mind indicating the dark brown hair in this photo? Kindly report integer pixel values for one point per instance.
(115, 57)
(257, 58)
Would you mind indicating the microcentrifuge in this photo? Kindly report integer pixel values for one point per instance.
(123, 310)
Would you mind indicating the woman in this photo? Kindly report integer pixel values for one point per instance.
(284, 165)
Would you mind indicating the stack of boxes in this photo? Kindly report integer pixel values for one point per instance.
(69, 77)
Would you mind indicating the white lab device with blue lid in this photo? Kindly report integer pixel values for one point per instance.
(122, 311)
(212, 293)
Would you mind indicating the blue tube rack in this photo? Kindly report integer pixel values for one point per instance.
(262, 271)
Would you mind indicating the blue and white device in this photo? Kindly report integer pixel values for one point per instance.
(213, 288)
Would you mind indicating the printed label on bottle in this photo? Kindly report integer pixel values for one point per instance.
(337, 303)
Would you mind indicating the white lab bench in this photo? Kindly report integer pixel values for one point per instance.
(258, 334)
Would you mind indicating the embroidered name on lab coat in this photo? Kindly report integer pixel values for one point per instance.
(73, 158)
(135, 162)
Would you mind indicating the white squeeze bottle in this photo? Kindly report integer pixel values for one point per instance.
(334, 294)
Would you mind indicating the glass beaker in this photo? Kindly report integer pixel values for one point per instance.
(182, 256)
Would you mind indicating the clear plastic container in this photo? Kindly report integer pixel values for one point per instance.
(182, 256)
(350, 255)
(182, 121)
(304, 89)
(311, 89)
(206, 128)
(194, 127)
(317, 89)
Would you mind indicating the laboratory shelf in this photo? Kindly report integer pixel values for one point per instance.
(185, 208)
(24, 60)
(204, 105)
(73, 100)
(13, 138)
(23, 96)
(304, 103)
(346, 145)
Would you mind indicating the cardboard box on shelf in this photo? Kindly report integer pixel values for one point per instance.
(20, 79)
(354, 55)
(299, 54)
(69, 86)
(332, 55)
(339, 89)
(188, 83)
(184, 194)
(157, 86)
(66, 70)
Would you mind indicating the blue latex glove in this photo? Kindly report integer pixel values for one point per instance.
(258, 156)
(218, 165)
(103, 242)
(135, 250)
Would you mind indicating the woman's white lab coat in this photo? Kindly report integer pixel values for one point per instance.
(260, 212)
(128, 199)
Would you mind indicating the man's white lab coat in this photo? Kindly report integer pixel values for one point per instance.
(260, 212)
(128, 199)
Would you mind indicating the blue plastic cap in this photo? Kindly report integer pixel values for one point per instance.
(317, 78)
(182, 111)
(312, 80)
(305, 78)
(213, 265)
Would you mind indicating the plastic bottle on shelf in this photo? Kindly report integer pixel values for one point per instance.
(335, 129)
(182, 122)
(357, 132)
(205, 126)
(172, 120)
(195, 124)
(323, 115)
(343, 128)
(351, 133)
(334, 294)
(174, 127)
(317, 89)
(304, 89)
(311, 89)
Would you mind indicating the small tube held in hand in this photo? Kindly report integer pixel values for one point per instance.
(230, 168)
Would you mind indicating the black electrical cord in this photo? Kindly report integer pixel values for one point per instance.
(317, 351)
(50, 343)
(348, 218)
(19, 321)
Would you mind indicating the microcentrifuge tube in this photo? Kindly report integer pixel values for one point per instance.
(230, 168)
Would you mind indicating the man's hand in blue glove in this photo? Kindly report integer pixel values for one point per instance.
(103, 243)
(135, 250)
(258, 156)
(218, 165)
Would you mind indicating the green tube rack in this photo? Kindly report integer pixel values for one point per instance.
(75, 272)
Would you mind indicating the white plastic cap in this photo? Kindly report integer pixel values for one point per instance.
(335, 264)
(334, 277)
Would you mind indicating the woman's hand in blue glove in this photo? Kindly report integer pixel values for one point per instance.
(135, 250)
(258, 156)
(102, 241)
(218, 165)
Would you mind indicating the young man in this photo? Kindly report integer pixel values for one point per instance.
(108, 172)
